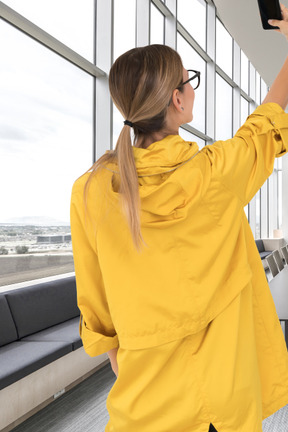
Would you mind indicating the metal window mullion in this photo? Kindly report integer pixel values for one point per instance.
(193, 42)
(143, 23)
(164, 8)
(170, 35)
(210, 70)
(104, 55)
(226, 77)
(197, 132)
(39, 35)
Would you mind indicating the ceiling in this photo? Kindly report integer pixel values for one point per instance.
(266, 49)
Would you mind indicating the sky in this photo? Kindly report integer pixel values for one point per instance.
(45, 111)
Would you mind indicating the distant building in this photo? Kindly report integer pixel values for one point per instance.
(51, 239)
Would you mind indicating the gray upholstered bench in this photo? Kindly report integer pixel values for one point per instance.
(38, 325)
(41, 351)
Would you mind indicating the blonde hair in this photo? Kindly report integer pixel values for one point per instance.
(141, 82)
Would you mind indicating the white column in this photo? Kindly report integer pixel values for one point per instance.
(104, 34)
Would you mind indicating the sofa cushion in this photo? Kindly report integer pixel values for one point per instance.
(19, 359)
(40, 306)
(65, 332)
(8, 332)
(260, 245)
(263, 255)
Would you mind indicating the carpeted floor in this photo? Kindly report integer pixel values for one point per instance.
(83, 409)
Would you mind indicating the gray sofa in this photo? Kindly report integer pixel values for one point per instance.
(38, 325)
(41, 353)
(261, 249)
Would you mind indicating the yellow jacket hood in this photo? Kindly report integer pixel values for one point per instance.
(161, 173)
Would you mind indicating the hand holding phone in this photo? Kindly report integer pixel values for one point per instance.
(269, 9)
(281, 26)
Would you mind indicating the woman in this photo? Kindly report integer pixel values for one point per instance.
(169, 279)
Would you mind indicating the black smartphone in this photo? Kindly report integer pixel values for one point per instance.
(269, 9)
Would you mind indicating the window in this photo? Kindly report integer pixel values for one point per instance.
(264, 90)
(224, 48)
(157, 26)
(124, 27)
(244, 110)
(192, 60)
(244, 73)
(48, 117)
(70, 21)
(258, 88)
(223, 109)
(258, 215)
(46, 143)
(192, 15)
(189, 136)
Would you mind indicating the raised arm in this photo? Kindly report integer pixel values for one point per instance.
(279, 90)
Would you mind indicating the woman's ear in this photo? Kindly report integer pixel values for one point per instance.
(177, 100)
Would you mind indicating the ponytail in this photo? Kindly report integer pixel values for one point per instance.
(141, 82)
(129, 189)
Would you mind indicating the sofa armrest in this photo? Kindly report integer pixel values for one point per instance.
(273, 243)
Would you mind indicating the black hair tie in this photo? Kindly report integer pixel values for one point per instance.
(128, 123)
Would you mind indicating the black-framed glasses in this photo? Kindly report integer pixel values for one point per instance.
(192, 75)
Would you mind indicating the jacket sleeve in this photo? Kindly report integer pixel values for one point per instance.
(244, 162)
(96, 328)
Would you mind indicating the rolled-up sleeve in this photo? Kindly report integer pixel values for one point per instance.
(96, 327)
(244, 162)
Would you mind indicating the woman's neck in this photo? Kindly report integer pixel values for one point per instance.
(145, 141)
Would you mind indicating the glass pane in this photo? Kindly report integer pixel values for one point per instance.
(192, 15)
(264, 212)
(192, 60)
(124, 26)
(258, 230)
(264, 89)
(189, 136)
(223, 109)
(157, 26)
(258, 89)
(117, 124)
(65, 20)
(46, 144)
(273, 202)
(244, 72)
(224, 48)
(246, 209)
(280, 177)
(244, 110)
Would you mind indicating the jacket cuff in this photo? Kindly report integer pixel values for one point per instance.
(96, 343)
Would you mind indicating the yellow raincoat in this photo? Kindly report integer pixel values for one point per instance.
(197, 330)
